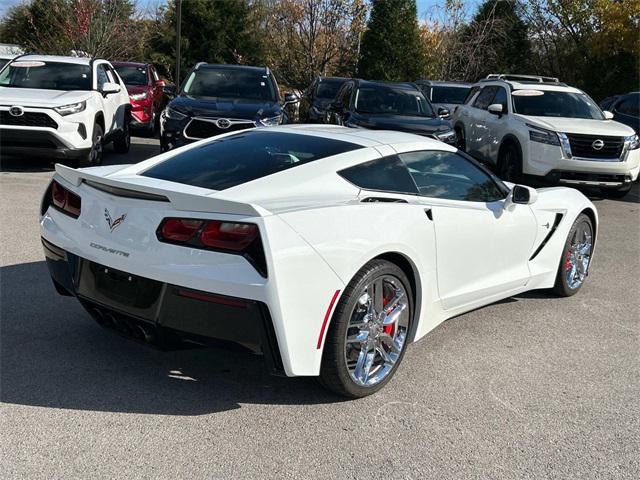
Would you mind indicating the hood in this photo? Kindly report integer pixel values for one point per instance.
(402, 123)
(225, 107)
(583, 126)
(33, 97)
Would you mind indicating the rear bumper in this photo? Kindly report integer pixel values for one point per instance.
(161, 313)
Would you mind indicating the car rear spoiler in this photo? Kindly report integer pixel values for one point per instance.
(182, 197)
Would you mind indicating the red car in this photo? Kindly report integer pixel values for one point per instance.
(145, 93)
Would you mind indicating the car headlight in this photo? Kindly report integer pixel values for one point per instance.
(71, 108)
(633, 142)
(448, 136)
(271, 121)
(172, 114)
(541, 135)
(138, 96)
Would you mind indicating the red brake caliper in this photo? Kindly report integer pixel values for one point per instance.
(567, 263)
(388, 329)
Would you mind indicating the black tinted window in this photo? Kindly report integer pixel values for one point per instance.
(454, 95)
(133, 75)
(230, 83)
(387, 174)
(242, 158)
(328, 89)
(630, 106)
(46, 75)
(471, 93)
(485, 97)
(501, 98)
(448, 175)
(555, 104)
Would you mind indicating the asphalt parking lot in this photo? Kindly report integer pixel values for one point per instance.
(531, 387)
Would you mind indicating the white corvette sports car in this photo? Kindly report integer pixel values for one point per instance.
(327, 249)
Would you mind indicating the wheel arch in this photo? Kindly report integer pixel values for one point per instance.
(509, 139)
(408, 267)
(99, 120)
(590, 212)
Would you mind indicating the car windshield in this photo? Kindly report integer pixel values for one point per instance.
(133, 75)
(455, 95)
(327, 89)
(392, 101)
(230, 83)
(244, 157)
(46, 75)
(540, 103)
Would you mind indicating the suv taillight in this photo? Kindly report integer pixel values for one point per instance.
(65, 200)
(231, 237)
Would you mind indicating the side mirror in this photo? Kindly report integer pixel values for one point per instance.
(444, 112)
(109, 88)
(290, 98)
(160, 83)
(496, 109)
(169, 90)
(608, 115)
(523, 195)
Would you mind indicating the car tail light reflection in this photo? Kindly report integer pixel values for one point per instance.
(65, 200)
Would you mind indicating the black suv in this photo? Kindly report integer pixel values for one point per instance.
(388, 106)
(216, 99)
(625, 109)
(316, 99)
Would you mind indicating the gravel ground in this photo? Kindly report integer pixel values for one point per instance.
(531, 387)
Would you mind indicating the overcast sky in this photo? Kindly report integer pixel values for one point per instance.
(424, 6)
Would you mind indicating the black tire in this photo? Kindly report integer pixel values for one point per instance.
(619, 193)
(562, 286)
(510, 164)
(95, 155)
(461, 141)
(334, 372)
(122, 142)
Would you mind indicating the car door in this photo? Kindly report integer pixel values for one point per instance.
(495, 127)
(109, 102)
(477, 135)
(483, 242)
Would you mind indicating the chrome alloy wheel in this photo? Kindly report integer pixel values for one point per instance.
(578, 256)
(95, 155)
(377, 330)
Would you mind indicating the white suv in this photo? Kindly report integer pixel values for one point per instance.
(65, 108)
(525, 125)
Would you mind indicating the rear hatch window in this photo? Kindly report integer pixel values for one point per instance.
(244, 157)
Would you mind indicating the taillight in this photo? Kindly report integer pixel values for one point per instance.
(232, 237)
(179, 229)
(228, 236)
(65, 200)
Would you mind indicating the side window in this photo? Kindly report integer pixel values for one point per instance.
(485, 97)
(470, 95)
(501, 98)
(630, 106)
(101, 75)
(447, 175)
(387, 174)
(346, 96)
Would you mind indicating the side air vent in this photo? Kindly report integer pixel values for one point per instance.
(123, 192)
(556, 222)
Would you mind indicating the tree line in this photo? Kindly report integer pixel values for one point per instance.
(592, 44)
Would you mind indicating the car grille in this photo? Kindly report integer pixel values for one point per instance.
(28, 119)
(582, 146)
(205, 129)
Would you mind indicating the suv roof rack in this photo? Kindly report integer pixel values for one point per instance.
(523, 78)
